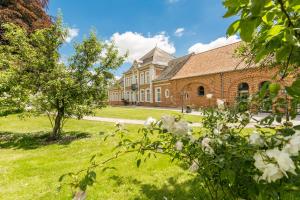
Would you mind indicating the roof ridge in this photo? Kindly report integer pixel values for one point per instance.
(217, 47)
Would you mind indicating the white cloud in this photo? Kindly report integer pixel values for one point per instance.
(138, 45)
(117, 77)
(72, 33)
(201, 47)
(179, 32)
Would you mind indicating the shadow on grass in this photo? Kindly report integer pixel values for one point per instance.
(35, 140)
(172, 189)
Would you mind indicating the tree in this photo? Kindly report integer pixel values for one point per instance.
(271, 31)
(52, 88)
(29, 14)
(270, 28)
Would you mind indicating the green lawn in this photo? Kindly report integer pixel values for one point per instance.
(141, 113)
(30, 167)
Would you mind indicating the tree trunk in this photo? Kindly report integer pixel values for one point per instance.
(57, 124)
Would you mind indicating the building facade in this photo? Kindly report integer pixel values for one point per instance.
(197, 80)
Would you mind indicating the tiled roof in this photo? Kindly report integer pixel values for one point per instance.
(217, 60)
(173, 67)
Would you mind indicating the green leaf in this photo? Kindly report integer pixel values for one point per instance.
(92, 158)
(233, 28)
(274, 88)
(231, 12)
(247, 27)
(274, 31)
(257, 6)
(297, 127)
(294, 89)
(268, 18)
(138, 162)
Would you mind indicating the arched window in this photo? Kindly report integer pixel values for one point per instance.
(201, 91)
(243, 90)
(167, 93)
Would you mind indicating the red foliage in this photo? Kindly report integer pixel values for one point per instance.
(29, 14)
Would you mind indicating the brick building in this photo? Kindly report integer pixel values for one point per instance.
(198, 80)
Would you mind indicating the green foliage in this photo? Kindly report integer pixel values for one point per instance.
(36, 79)
(271, 27)
(271, 30)
(223, 158)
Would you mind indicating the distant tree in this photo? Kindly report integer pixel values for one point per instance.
(48, 86)
(29, 14)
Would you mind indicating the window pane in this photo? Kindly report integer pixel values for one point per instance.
(201, 91)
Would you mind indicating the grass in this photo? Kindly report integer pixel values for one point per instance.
(141, 113)
(30, 166)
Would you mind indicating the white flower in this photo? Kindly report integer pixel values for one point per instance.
(259, 161)
(150, 121)
(206, 145)
(167, 122)
(283, 159)
(195, 166)
(293, 146)
(218, 129)
(181, 128)
(159, 149)
(271, 173)
(179, 146)
(255, 139)
(221, 104)
(28, 108)
(205, 142)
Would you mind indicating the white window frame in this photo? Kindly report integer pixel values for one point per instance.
(142, 78)
(142, 95)
(167, 93)
(147, 77)
(146, 96)
(156, 94)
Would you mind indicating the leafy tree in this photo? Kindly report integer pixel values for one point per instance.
(270, 27)
(29, 14)
(47, 85)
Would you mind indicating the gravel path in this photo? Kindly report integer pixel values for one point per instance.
(141, 122)
(125, 121)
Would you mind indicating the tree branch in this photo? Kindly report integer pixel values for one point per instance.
(285, 12)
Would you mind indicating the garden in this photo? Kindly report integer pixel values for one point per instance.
(49, 151)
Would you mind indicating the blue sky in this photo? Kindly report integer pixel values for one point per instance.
(177, 26)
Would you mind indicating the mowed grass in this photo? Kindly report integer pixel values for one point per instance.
(141, 113)
(30, 168)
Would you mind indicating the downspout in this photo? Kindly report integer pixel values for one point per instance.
(222, 85)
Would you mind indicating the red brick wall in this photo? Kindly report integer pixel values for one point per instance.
(212, 84)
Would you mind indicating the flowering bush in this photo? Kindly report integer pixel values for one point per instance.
(230, 161)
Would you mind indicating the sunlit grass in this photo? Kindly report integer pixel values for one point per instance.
(141, 113)
(30, 168)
